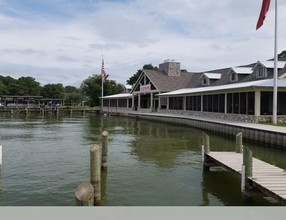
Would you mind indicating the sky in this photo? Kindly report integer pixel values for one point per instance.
(63, 41)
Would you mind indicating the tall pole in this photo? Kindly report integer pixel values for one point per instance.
(274, 119)
(101, 92)
(102, 79)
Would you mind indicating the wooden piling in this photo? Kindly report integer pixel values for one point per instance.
(205, 150)
(206, 142)
(104, 150)
(84, 194)
(238, 143)
(0, 154)
(247, 161)
(95, 171)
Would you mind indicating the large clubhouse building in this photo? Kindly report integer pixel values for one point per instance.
(242, 93)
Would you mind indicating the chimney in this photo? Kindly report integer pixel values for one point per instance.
(171, 68)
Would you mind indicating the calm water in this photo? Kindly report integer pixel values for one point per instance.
(150, 164)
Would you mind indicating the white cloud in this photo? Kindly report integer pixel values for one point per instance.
(63, 41)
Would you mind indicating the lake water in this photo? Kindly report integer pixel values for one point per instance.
(46, 157)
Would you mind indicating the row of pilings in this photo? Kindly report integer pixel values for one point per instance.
(89, 193)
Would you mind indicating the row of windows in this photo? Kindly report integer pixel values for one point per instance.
(237, 103)
(121, 103)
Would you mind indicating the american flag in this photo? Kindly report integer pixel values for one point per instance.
(103, 74)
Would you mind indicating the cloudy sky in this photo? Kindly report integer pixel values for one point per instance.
(62, 41)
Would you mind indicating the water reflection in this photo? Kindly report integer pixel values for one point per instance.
(161, 144)
(224, 187)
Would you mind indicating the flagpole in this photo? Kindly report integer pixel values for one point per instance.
(274, 119)
(102, 79)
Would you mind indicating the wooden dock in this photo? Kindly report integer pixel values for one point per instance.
(264, 180)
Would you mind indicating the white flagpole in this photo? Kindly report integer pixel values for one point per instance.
(274, 119)
(102, 79)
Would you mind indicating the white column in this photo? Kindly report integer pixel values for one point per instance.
(167, 103)
(257, 102)
(151, 104)
(184, 103)
(139, 100)
(225, 103)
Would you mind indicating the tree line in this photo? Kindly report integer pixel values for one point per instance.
(89, 91)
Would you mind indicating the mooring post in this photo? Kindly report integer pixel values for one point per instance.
(95, 171)
(238, 143)
(205, 150)
(246, 168)
(0, 154)
(104, 149)
(84, 195)
(206, 142)
(247, 161)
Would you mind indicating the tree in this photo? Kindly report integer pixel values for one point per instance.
(282, 54)
(91, 88)
(54, 91)
(70, 89)
(29, 86)
(73, 96)
(132, 80)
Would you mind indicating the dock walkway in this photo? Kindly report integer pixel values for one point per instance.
(266, 178)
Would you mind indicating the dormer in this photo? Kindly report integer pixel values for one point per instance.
(261, 68)
(236, 73)
(207, 78)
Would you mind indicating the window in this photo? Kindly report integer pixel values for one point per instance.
(261, 73)
(205, 81)
(233, 77)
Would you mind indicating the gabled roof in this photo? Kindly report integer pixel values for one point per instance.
(270, 64)
(212, 75)
(165, 83)
(242, 70)
(257, 83)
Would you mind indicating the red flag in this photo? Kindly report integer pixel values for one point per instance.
(103, 74)
(263, 12)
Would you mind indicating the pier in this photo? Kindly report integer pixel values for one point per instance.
(258, 178)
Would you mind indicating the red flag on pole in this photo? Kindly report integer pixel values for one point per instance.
(263, 12)
(103, 74)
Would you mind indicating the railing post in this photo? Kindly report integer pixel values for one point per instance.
(104, 149)
(238, 143)
(95, 171)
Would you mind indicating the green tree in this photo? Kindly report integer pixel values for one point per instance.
(7, 82)
(91, 89)
(132, 80)
(29, 86)
(70, 89)
(54, 91)
(73, 96)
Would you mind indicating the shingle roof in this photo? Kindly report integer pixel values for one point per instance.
(165, 83)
